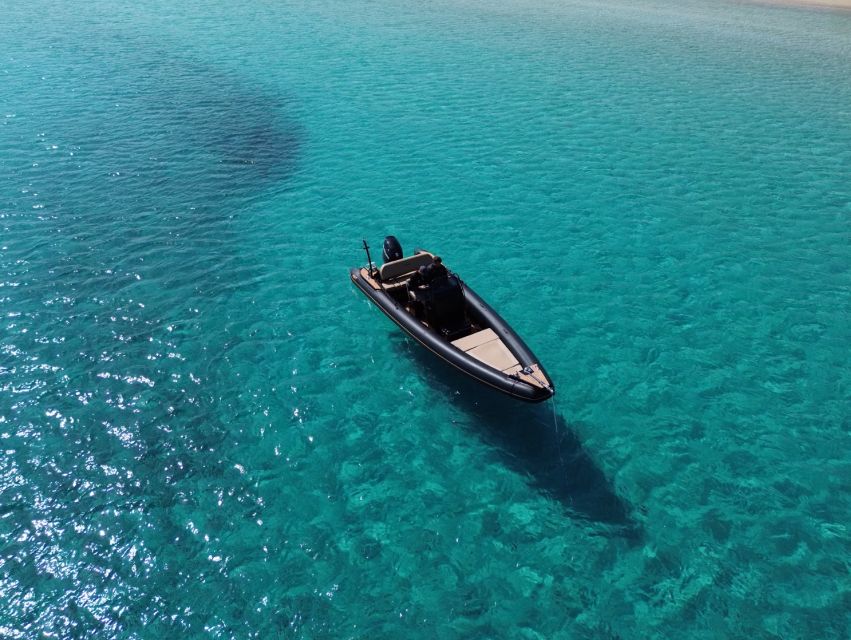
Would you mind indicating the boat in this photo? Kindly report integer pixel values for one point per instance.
(436, 308)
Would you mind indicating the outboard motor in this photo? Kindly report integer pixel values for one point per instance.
(392, 249)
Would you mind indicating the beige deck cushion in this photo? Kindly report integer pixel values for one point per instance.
(486, 347)
(494, 354)
(397, 268)
(475, 339)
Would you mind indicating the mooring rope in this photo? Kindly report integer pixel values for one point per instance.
(555, 429)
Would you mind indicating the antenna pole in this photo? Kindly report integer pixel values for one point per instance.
(368, 258)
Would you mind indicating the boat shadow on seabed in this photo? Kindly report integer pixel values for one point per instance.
(534, 441)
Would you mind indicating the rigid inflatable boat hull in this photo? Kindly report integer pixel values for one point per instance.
(467, 364)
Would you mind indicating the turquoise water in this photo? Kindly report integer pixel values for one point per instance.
(207, 432)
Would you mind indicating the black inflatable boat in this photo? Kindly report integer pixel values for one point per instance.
(436, 308)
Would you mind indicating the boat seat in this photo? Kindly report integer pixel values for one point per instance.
(405, 266)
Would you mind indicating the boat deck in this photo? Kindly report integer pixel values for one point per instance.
(485, 346)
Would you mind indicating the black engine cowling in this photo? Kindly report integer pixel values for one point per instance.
(392, 249)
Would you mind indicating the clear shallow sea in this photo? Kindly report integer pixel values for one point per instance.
(206, 432)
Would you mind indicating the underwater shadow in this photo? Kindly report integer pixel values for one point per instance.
(531, 439)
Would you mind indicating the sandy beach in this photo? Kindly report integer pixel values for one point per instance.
(819, 4)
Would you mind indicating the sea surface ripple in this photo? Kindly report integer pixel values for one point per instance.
(205, 431)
